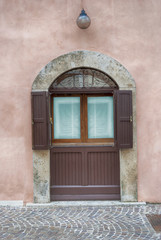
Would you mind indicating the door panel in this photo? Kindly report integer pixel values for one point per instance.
(66, 168)
(85, 173)
(103, 168)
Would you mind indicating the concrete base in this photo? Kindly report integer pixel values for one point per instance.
(18, 203)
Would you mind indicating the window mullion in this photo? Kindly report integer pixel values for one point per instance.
(84, 118)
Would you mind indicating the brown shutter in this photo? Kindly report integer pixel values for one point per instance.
(40, 120)
(124, 119)
(50, 118)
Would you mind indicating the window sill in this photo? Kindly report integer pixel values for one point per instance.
(108, 144)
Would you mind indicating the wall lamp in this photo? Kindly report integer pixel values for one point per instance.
(83, 21)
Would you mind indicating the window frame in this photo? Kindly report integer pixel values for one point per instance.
(83, 119)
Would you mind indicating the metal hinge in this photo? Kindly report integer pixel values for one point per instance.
(131, 119)
(51, 120)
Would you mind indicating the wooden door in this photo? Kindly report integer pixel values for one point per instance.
(85, 173)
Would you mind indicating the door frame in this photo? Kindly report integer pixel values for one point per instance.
(128, 157)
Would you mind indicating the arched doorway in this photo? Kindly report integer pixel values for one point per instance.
(50, 77)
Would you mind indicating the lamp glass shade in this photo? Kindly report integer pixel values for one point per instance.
(83, 21)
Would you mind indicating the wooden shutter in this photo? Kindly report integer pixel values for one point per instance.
(50, 119)
(40, 134)
(124, 119)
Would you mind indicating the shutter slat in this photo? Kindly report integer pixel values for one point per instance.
(39, 121)
(124, 117)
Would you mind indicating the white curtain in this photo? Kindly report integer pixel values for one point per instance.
(66, 117)
(100, 117)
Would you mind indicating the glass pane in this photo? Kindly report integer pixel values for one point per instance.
(100, 117)
(66, 117)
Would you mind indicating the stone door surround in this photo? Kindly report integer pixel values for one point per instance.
(128, 157)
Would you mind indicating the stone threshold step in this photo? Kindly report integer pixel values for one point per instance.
(85, 203)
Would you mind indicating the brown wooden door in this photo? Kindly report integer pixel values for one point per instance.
(85, 173)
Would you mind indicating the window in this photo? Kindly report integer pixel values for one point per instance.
(83, 110)
(82, 118)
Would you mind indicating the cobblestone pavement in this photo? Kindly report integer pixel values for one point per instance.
(78, 222)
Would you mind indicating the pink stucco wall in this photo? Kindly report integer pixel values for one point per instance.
(32, 33)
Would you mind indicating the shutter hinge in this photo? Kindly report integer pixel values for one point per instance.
(131, 119)
(51, 120)
(116, 143)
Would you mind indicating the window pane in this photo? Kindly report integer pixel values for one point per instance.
(100, 117)
(66, 117)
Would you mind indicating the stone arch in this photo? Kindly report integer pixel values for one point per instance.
(78, 59)
(117, 72)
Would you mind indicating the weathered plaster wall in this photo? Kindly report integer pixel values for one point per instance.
(32, 33)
